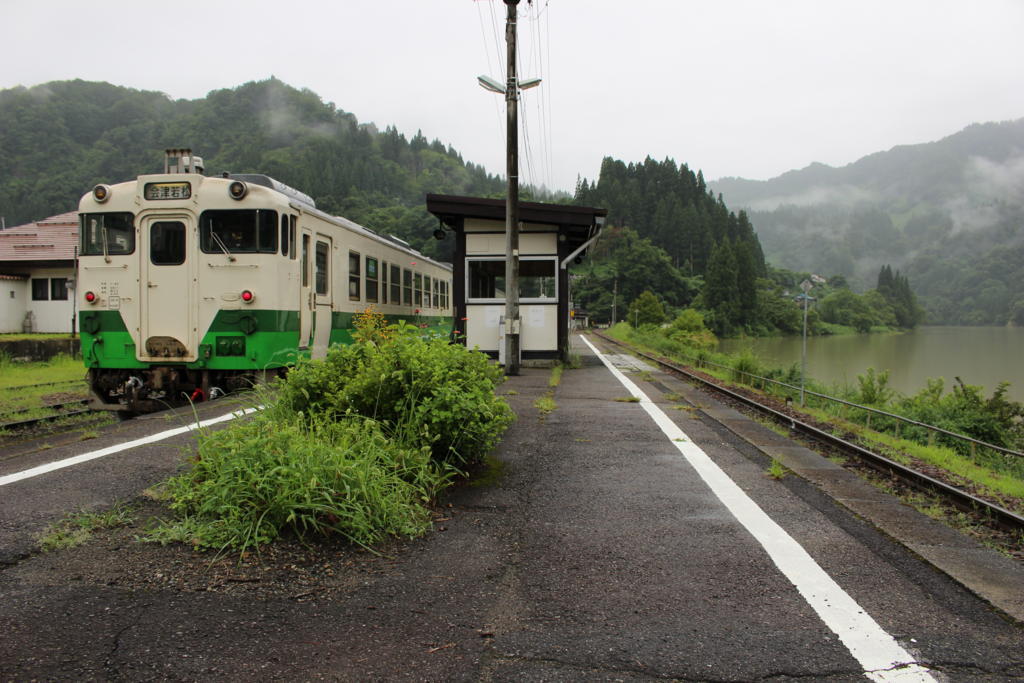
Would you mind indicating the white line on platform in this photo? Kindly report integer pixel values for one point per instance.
(882, 658)
(117, 448)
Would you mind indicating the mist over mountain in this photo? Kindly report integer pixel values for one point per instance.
(949, 214)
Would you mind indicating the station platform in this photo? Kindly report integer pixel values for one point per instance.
(626, 529)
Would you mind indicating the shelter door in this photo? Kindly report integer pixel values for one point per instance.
(167, 317)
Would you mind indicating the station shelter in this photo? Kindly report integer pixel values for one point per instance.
(551, 237)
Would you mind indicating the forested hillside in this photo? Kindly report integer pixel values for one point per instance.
(948, 214)
(58, 140)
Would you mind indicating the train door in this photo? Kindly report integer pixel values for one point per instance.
(323, 286)
(167, 316)
(307, 306)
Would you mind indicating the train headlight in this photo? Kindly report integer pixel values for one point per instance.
(248, 296)
(238, 189)
(91, 298)
(101, 193)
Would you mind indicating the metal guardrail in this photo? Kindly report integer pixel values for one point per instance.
(974, 443)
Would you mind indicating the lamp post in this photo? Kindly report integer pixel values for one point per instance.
(806, 286)
(511, 91)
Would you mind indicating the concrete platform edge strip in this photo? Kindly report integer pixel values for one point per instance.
(881, 657)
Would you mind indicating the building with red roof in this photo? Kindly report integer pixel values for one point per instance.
(37, 271)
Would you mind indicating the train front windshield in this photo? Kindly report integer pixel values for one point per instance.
(238, 231)
(103, 234)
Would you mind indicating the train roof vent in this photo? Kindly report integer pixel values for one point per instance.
(181, 160)
(276, 185)
(397, 240)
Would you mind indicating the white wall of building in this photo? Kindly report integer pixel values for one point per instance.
(14, 295)
(49, 315)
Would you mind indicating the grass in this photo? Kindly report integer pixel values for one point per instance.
(16, 377)
(776, 470)
(78, 528)
(20, 336)
(545, 404)
(627, 399)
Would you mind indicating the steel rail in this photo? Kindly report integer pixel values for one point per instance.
(1000, 516)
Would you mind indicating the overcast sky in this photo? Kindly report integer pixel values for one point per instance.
(748, 88)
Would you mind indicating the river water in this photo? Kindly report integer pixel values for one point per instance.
(978, 355)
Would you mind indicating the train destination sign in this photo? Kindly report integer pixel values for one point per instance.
(177, 190)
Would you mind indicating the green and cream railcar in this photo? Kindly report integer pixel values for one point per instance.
(190, 286)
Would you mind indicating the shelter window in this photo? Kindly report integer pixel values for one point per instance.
(107, 233)
(239, 231)
(372, 276)
(353, 276)
(538, 282)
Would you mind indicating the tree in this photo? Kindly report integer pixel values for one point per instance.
(646, 309)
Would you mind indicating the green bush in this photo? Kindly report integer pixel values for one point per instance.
(251, 481)
(443, 391)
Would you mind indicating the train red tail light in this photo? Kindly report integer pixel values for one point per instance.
(248, 296)
(91, 298)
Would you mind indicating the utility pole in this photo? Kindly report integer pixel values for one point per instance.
(512, 203)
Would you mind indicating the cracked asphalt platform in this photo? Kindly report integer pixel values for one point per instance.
(599, 555)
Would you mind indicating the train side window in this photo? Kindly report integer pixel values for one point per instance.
(353, 276)
(437, 294)
(371, 279)
(407, 287)
(305, 260)
(323, 259)
(285, 244)
(238, 231)
(418, 290)
(383, 282)
(426, 291)
(395, 281)
(167, 243)
(291, 236)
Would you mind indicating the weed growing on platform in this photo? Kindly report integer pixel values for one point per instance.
(355, 445)
(78, 528)
(776, 470)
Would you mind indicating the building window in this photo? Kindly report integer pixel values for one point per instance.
(40, 289)
(59, 289)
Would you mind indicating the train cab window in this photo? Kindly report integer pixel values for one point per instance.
(305, 261)
(353, 276)
(104, 234)
(371, 279)
(426, 291)
(238, 231)
(407, 287)
(395, 282)
(323, 259)
(167, 243)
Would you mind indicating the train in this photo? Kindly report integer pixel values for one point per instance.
(192, 286)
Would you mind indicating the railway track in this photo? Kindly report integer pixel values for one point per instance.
(990, 513)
